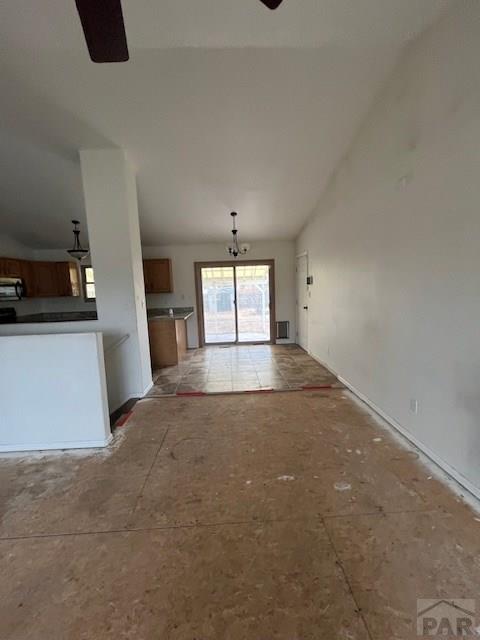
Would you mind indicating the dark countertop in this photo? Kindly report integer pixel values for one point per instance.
(66, 316)
(179, 313)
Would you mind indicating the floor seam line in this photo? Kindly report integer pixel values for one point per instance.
(345, 577)
(132, 513)
(196, 525)
(376, 513)
(200, 525)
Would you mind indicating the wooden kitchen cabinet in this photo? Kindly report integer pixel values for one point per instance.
(68, 282)
(43, 279)
(10, 268)
(55, 279)
(26, 274)
(157, 274)
(45, 282)
(168, 341)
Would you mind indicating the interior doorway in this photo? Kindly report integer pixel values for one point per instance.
(302, 301)
(235, 302)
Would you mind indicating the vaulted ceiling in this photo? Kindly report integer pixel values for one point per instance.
(223, 105)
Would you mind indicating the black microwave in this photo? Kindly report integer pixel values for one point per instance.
(11, 288)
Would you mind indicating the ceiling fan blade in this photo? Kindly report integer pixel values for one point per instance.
(104, 29)
(272, 4)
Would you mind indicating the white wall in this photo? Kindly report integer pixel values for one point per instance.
(53, 392)
(183, 259)
(112, 216)
(394, 249)
(11, 248)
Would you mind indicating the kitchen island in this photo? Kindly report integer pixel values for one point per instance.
(168, 335)
(53, 393)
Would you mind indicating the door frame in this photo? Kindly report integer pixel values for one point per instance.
(304, 254)
(199, 297)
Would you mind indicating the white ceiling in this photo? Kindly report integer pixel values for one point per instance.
(223, 105)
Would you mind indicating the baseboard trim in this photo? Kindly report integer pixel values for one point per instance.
(440, 462)
(453, 474)
(133, 397)
(146, 390)
(39, 446)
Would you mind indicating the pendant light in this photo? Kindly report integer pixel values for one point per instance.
(77, 251)
(234, 249)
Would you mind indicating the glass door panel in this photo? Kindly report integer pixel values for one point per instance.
(218, 292)
(253, 302)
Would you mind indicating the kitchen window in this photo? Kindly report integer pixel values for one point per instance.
(88, 283)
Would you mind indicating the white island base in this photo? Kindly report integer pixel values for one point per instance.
(53, 392)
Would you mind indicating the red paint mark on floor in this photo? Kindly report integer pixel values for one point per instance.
(122, 421)
(309, 387)
(191, 393)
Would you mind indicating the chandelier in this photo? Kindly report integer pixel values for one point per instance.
(77, 251)
(235, 249)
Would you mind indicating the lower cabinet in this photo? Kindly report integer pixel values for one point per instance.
(168, 341)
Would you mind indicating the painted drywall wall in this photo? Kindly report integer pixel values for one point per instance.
(112, 217)
(67, 398)
(11, 248)
(184, 256)
(394, 249)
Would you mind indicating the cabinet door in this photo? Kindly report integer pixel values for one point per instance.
(45, 279)
(10, 268)
(158, 275)
(67, 279)
(26, 273)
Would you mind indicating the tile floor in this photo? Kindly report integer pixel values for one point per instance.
(283, 516)
(241, 368)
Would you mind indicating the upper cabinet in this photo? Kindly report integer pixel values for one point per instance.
(10, 268)
(43, 279)
(68, 282)
(157, 274)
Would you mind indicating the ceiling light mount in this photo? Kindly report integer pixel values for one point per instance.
(77, 251)
(234, 248)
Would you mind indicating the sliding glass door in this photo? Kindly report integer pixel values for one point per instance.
(236, 302)
(218, 293)
(253, 303)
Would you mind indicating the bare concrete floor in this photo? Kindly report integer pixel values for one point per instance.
(287, 516)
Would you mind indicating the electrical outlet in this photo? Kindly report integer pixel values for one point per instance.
(414, 405)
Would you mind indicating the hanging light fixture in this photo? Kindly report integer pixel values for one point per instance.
(77, 251)
(235, 249)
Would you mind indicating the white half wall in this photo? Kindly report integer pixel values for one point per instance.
(184, 257)
(394, 249)
(53, 392)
